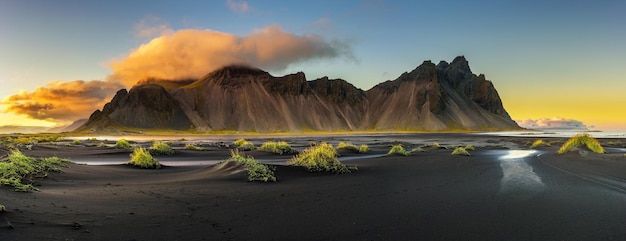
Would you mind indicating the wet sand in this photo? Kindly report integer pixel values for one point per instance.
(495, 194)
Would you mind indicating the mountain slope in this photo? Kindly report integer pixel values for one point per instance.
(246, 99)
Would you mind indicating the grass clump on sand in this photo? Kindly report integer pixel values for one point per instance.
(122, 144)
(539, 143)
(320, 158)
(418, 149)
(460, 151)
(19, 171)
(142, 158)
(161, 148)
(76, 143)
(256, 171)
(278, 147)
(347, 146)
(470, 147)
(243, 144)
(398, 150)
(193, 147)
(581, 139)
(364, 149)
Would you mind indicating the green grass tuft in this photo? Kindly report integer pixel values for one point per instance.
(193, 147)
(76, 142)
(470, 147)
(320, 158)
(122, 144)
(398, 150)
(142, 158)
(364, 149)
(539, 143)
(418, 149)
(161, 148)
(460, 151)
(581, 139)
(279, 147)
(20, 170)
(256, 171)
(347, 146)
(243, 144)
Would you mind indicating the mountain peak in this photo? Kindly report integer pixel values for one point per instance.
(461, 63)
(238, 70)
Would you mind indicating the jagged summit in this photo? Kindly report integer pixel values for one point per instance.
(243, 98)
(235, 71)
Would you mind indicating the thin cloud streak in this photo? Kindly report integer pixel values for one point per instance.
(238, 7)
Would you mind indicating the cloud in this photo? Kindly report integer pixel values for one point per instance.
(191, 53)
(238, 7)
(152, 26)
(555, 123)
(62, 101)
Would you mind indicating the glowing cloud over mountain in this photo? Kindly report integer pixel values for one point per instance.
(190, 53)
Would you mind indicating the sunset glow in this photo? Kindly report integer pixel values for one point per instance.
(62, 60)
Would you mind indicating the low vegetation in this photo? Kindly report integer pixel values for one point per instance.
(364, 149)
(581, 140)
(243, 144)
(398, 150)
(122, 144)
(460, 151)
(418, 149)
(20, 170)
(161, 148)
(256, 171)
(193, 147)
(539, 143)
(278, 147)
(320, 158)
(142, 158)
(347, 146)
(76, 143)
(30, 139)
(2, 208)
(470, 147)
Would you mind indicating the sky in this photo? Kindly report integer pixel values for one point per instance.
(61, 60)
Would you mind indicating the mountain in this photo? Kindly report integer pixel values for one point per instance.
(437, 97)
(241, 98)
(68, 128)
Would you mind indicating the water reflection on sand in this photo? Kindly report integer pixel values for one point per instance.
(519, 181)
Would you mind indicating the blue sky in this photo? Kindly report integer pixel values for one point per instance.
(539, 54)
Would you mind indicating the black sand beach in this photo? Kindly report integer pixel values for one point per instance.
(503, 191)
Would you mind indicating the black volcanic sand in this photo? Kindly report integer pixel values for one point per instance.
(427, 196)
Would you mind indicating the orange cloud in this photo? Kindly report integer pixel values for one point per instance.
(62, 101)
(189, 54)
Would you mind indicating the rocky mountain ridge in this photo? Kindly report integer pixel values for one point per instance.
(240, 98)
